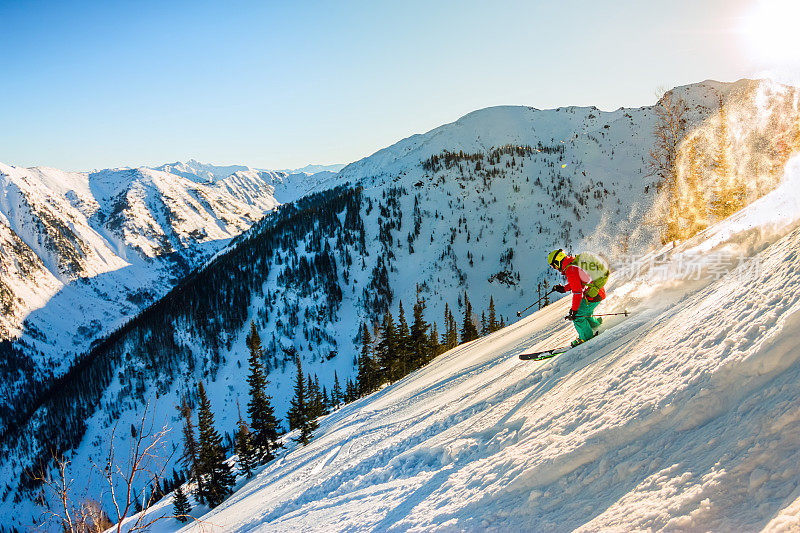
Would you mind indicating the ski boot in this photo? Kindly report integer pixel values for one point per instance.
(577, 342)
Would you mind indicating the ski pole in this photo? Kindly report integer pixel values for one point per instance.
(626, 313)
(519, 313)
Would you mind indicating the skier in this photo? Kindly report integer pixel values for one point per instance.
(586, 274)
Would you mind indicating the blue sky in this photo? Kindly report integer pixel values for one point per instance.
(281, 84)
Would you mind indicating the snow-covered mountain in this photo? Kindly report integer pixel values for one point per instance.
(105, 244)
(315, 169)
(471, 206)
(194, 170)
(248, 183)
(682, 417)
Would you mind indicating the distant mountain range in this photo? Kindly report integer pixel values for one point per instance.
(196, 170)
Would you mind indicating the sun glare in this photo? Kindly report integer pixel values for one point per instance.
(771, 27)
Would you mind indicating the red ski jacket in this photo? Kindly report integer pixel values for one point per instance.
(577, 279)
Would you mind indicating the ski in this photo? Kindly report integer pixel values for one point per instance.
(546, 354)
(552, 352)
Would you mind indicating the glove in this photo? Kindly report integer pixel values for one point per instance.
(560, 288)
(572, 315)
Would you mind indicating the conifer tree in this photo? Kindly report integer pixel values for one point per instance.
(351, 392)
(245, 449)
(311, 397)
(319, 401)
(451, 329)
(446, 335)
(420, 344)
(307, 429)
(366, 372)
(262, 415)
(297, 405)
(403, 365)
(216, 473)
(454, 333)
(301, 408)
(181, 506)
(387, 349)
(190, 451)
(336, 393)
(469, 332)
(322, 399)
(435, 345)
(316, 403)
(484, 324)
(493, 325)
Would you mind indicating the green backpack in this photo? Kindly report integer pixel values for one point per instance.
(598, 270)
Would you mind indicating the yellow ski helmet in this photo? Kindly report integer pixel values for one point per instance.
(555, 258)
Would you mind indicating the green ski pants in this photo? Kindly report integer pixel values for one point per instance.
(585, 323)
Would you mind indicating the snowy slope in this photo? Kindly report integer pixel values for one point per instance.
(682, 417)
(573, 177)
